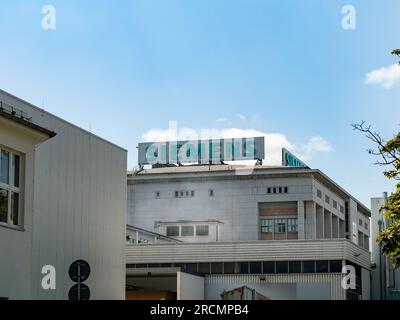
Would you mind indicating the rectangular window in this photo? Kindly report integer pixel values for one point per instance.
(274, 190)
(366, 226)
(334, 204)
(280, 225)
(294, 266)
(211, 193)
(10, 167)
(327, 199)
(172, 231)
(217, 267)
(176, 194)
(16, 169)
(204, 268)
(202, 230)
(292, 225)
(279, 190)
(282, 267)
(229, 268)
(3, 205)
(360, 222)
(15, 208)
(268, 267)
(321, 266)
(244, 267)
(192, 193)
(255, 267)
(269, 190)
(266, 225)
(187, 231)
(341, 209)
(286, 189)
(5, 167)
(335, 266)
(319, 193)
(158, 194)
(308, 266)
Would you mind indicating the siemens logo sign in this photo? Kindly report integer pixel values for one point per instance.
(290, 160)
(202, 151)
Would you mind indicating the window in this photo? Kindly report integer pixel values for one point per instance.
(211, 193)
(277, 190)
(158, 194)
(217, 268)
(319, 193)
(282, 267)
(294, 266)
(327, 199)
(229, 267)
(341, 209)
(334, 204)
(184, 193)
(292, 225)
(172, 231)
(266, 225)
(187, 231)
(10, 197)
(308, 266)
(366, 225)
(280, 225)
(204, 268)
(269, 267)
(360, 222)
(335, 266)
(202, 230)
(244, 267)
(321, 266)
(255, 267)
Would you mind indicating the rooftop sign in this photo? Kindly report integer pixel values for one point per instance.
(202, 151)
(290, 160)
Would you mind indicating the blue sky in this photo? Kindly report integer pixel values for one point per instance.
(123, 68)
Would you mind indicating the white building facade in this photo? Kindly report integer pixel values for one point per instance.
(285, 232)
(75, 208)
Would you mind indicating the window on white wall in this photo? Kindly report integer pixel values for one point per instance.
(202, 230)
(280, 225)
(10, 192)
(187, 231)
(172, 231)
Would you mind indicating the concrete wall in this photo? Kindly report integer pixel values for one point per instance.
(190, 287)
(79, 208)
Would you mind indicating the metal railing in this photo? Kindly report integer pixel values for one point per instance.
(14, 111)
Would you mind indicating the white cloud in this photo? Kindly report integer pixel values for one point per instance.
(315, 145)
(274, 142)
(387, 77)
(242, 117)
(221, 120)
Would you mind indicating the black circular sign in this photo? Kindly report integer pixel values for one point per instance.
(79, 292)
(79, 271)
